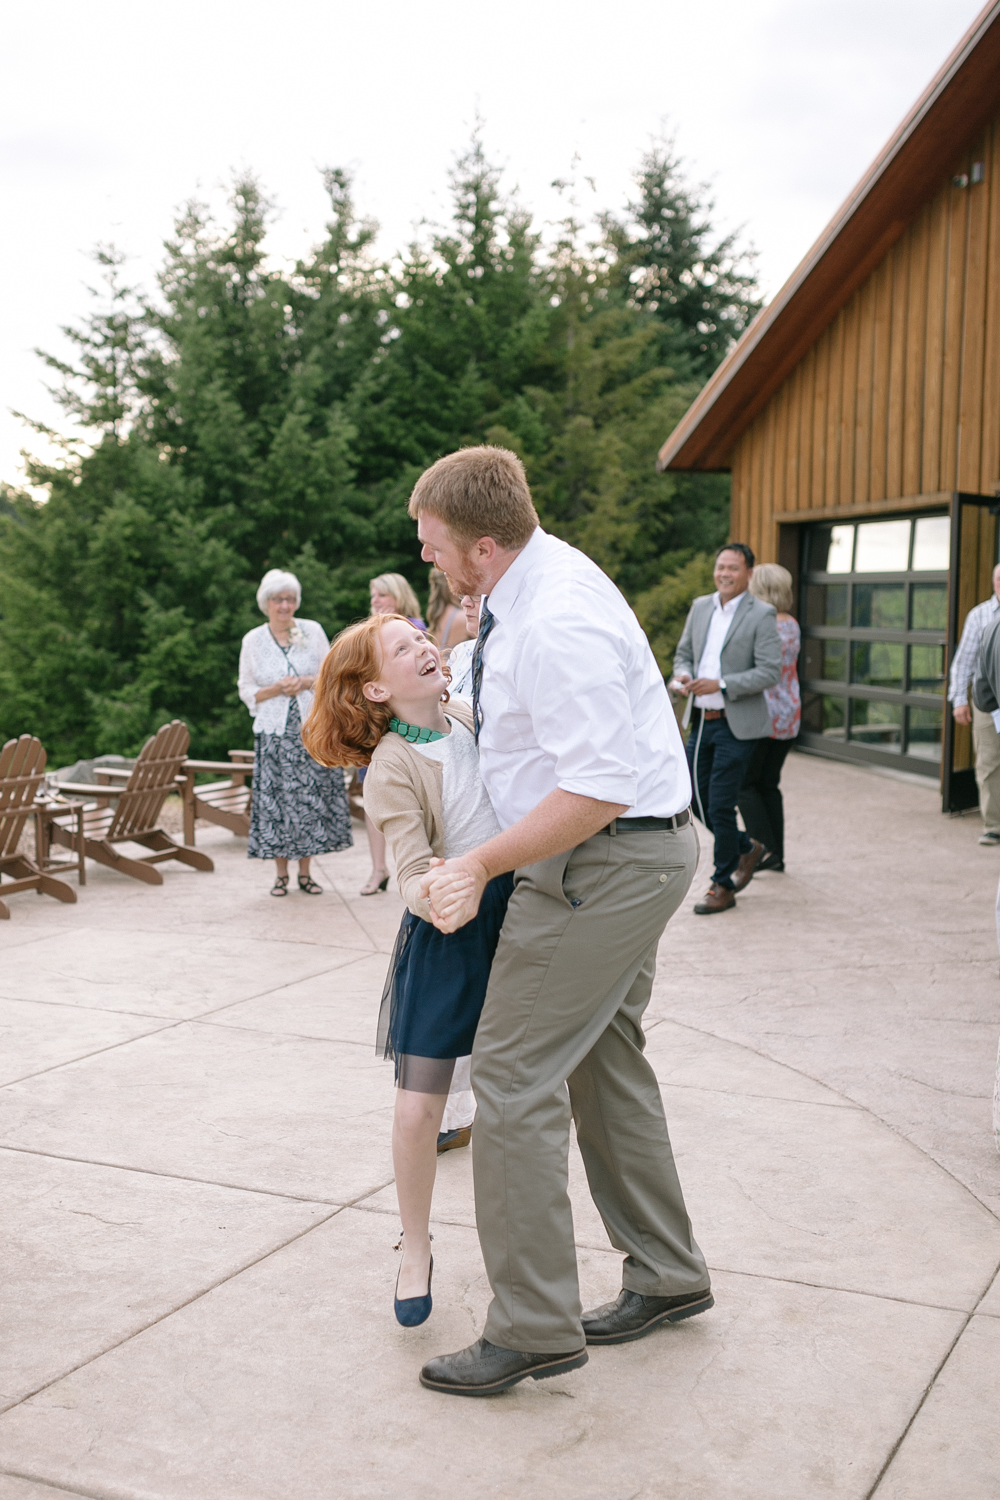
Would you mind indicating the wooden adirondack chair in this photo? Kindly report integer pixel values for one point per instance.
(224, 802)
(22, 777)
(139, 803)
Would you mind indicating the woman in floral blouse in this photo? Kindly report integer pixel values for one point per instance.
(760, 801)
(299, 808)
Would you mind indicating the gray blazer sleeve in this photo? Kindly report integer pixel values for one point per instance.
(766, 669)
(684, 655)
(987, 674)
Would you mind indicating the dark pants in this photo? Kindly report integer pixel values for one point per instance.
(760, 799)
(719, 762)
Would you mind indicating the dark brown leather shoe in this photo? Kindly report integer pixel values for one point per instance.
(716, 898)
(484, 1369)
(632, 1316)
(743, 874)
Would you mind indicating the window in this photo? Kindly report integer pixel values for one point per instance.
(874, 616)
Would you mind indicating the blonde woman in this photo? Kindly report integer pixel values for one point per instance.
(760, 801)
(392, 595)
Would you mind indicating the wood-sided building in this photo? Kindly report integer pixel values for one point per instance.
(859, 416)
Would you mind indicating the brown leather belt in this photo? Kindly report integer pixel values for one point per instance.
(713, 713)
(649, 825)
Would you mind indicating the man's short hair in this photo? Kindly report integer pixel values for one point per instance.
(478, 492)
(740, 547)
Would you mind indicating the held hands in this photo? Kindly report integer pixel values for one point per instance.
(285, 687)
(454, 889)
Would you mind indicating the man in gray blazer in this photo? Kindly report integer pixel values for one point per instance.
(729, 653)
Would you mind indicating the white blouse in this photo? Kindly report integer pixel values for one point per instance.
(263, 663)
(460, 666)
(469, 819)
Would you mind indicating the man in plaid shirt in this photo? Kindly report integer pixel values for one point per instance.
(984, 736)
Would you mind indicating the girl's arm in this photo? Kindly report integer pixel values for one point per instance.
(392, 803)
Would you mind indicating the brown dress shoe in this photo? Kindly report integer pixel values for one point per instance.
(716, 898)
(743, 874)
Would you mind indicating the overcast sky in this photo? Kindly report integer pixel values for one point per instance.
(114, 113)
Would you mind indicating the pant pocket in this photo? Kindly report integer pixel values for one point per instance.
(584, 869)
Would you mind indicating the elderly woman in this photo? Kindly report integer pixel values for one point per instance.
(299, 808)
(760, 801)
(390, 595)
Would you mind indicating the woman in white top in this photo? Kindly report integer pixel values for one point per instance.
(298, 808)
(383, 698)
(460, 660)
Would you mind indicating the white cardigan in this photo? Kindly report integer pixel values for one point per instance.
(263, 663)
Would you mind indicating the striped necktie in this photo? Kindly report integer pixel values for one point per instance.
(486, 623)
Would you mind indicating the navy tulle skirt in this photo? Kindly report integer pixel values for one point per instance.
(434, 992)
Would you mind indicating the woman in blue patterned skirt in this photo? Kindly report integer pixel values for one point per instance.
(299, 808)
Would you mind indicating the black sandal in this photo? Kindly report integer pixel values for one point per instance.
(280, 886)
(307, 884)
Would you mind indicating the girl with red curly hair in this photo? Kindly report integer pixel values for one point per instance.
(382, 701)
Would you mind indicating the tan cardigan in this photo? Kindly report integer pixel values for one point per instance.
(403, 800)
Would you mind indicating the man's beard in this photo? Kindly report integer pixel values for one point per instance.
(468, 581)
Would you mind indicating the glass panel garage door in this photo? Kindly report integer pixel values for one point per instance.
(874, 621)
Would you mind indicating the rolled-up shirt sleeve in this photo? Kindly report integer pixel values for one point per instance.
(573, 681)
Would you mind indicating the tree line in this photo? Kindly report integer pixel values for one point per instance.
(243, 416)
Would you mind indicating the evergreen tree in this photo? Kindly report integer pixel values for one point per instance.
(466, 332)
(249, 417)
(646, 313)
(702, 292)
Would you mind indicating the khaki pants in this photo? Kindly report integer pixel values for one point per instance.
(561, 1031)
(987, 743)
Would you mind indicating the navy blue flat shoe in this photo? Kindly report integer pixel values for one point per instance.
(450, 1140)
(412, 1311)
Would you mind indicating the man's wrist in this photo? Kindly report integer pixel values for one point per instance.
(722, 684)
(477, 867)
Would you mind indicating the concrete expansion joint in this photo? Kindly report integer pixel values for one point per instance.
(849, 1102)
(928, 1388)
(170, 1312)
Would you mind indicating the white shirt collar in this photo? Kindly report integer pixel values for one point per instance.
(503, 595)
(993, 602)
(733, 605)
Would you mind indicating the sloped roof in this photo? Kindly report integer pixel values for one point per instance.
(956, 105)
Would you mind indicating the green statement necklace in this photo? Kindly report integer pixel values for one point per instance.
(413, 733)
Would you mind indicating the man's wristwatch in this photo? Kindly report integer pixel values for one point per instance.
(722, 684)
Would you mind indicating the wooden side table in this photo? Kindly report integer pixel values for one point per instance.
(46, 812)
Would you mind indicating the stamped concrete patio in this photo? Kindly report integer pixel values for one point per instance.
(199, 1213)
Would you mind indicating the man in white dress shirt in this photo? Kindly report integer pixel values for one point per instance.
(584, 764)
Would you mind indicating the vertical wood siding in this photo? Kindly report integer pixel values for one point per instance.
(900, 396)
